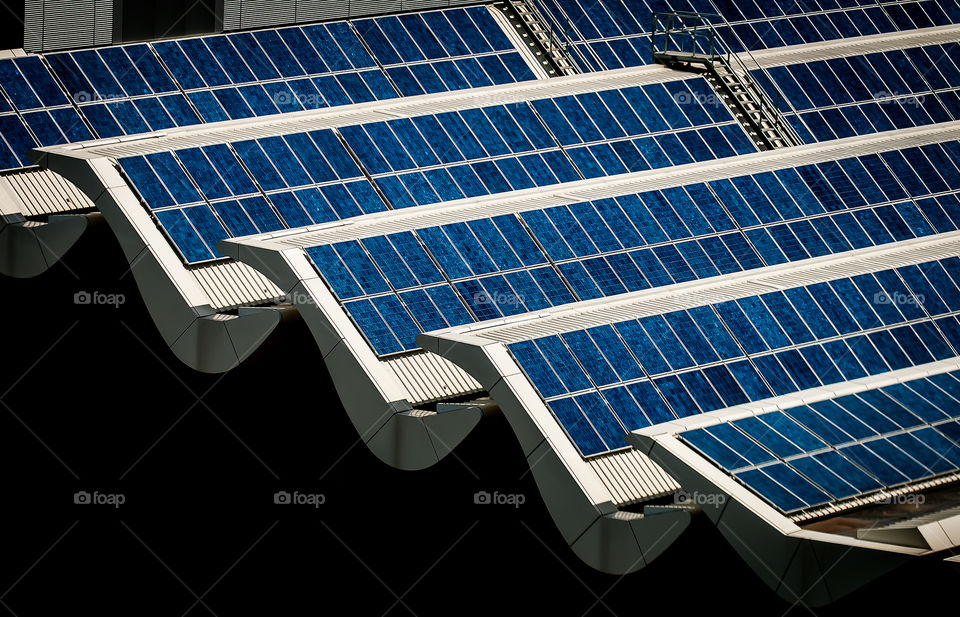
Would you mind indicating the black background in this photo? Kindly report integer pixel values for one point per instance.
(93, 400)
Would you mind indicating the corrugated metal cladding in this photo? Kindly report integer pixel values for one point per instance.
(51, 25)
(246, 14)
(64, 24)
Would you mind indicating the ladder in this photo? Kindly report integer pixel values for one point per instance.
(687, 40)
(543, 40)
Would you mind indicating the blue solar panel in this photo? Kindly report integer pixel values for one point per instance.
(539, 258)
(612, 34)
(413, 49)
(867, 94)
(811, 455)
(323, 175)
(712, 357)
(145, 87)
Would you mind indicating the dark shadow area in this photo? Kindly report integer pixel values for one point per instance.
(97, 404)
(141, 20)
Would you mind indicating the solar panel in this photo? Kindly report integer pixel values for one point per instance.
(612, 34)
(124, 90)
(257, 186)
(812, 455)
(408, 46)
(489, 268)
(610, 380)
(865, 94)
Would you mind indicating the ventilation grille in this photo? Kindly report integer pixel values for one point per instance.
(231, 285)
(36, 192)
(51, 25)
(632, 477)
(247, 14)
(429, 378)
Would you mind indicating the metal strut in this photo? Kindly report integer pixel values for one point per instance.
(683, 40)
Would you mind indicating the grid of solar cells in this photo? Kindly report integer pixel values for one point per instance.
(130, 89)
(760, 24)
(33, 111)
(603, 382)
(203, 195)
(398, 285)
(612, 34)
(866, 94)
(510, 147)
(414, 49)
(301, 179)
(809, 456)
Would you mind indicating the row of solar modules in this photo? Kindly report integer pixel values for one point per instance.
(399, 285)
(131, 89)
(838, 22)
(612, 34)
(606, 381)
(808, 456)
(313, 178)
(860, 95)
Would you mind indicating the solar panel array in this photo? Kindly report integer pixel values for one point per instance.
(612, 34)
(396, 286)
(812, 455)
(201, 196)
(130, 89)
(606, 381)
(414, 48)
(602, 382)
(859, 95)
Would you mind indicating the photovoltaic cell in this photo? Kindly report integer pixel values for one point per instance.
(841, 448)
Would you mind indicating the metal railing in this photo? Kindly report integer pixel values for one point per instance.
(674, 27)
(561, 35)
(695, 39)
